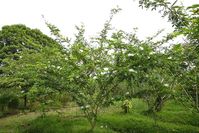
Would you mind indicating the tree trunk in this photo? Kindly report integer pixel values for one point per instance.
(25, 101)
(158, 104)
(197, 100)
(126, 110)
(93, 124)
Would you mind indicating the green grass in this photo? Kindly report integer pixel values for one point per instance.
(54, 124)
(130, 123)
(174, 113)
(10, 124)
(174, 118)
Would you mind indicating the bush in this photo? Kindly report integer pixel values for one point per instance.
(13, 103)
(8, 104)
(126, 106)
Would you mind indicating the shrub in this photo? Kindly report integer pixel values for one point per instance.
(8, 104)
(13, 103)
(126, 106)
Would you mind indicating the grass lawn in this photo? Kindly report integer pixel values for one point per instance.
(173, 118)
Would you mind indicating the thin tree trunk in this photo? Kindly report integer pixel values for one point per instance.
(93, 124)
(197, 101)
(25, 101)
(159, 103)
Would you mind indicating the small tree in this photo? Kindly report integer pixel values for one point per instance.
(90, 73)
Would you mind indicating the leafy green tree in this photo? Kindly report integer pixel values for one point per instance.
(90, 73)
(144, 67)
(14, 40)
(147, 72)
(186, 22)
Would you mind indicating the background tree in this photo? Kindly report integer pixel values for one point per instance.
(14, 40)
(186, 22)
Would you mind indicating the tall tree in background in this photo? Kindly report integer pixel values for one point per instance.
(14, 40)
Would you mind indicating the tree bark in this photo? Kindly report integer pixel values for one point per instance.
(25, 101)
(197, 100)
(93, 124)
(158, 103)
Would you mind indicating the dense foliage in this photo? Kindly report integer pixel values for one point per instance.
(185, 55)
(95, 73)
(17, 43)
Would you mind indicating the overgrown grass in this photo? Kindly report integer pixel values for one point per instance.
(178, 114)
(10, 124)
(135, 123)
(54, 124)
(173, 118)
